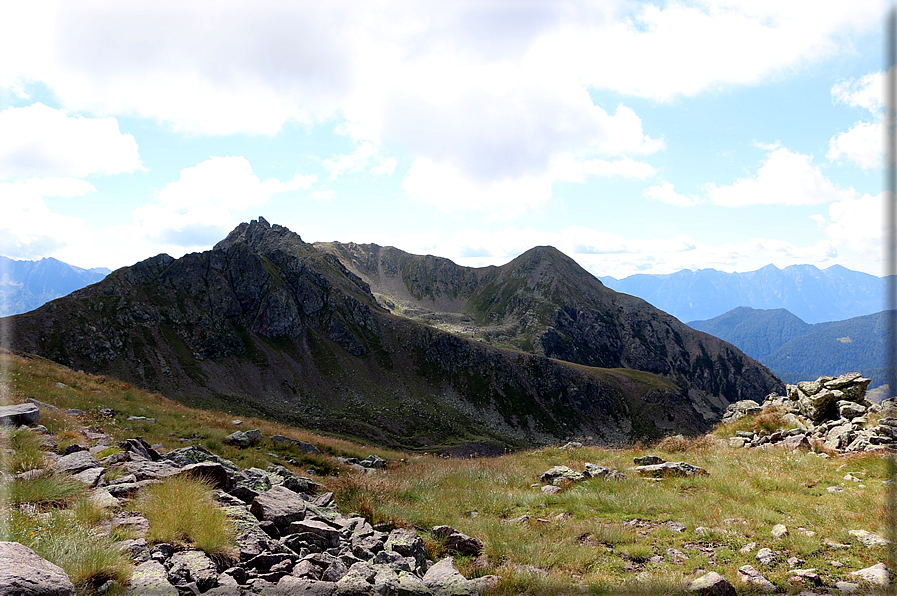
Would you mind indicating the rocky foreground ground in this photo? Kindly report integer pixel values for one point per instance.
(292, 539)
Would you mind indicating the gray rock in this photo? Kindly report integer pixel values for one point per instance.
(749, 575)
(850, 410)
(151, 579)
(19, 415)
(868, 538)
(559, 474)
(325, 536)
(819, 405)
(408, 544)
(457, 542)
(193, 566)
(766, 556)
(212, 472)
(289, 586)
(24, 573)
(712, 584)
(91, 476)
(779, 531)
(303, 447)
(680, 468)
(740, 409)
(150, 470)
(77, 462)
(443, 578)
(876, 574)
(279, 505)
(243, 439)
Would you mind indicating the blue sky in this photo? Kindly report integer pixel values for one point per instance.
(634, 136)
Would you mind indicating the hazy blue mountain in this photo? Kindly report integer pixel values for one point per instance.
(814, 295)
(26, 285)
(798, 351)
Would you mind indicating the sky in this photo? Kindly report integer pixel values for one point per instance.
(636, 137)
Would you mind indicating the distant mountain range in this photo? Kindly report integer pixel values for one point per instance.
(26, 285)
(814, 295)
(799, 351)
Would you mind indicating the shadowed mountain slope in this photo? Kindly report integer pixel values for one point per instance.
(265, 323)
(544, 303)
(796, 350)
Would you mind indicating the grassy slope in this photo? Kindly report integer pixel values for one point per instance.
(577, 537)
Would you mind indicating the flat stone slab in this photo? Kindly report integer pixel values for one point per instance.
(279, 505)
(24, 573)
(76, 462)
(19, 415)
(678, 468)
(150, 579)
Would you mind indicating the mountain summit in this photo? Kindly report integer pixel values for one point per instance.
(268, 324)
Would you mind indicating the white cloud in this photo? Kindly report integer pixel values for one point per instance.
(606, 253)
(665, 193)
(196, 209)
(366, 157)
(857, 224)
(785, 178)
(861, 144)
(28, 229)
(39, 141)
(323, 194)
(864, 93)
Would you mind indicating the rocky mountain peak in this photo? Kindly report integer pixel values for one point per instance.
(262, 237)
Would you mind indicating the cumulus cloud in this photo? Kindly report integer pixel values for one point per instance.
(28, 229)
(861, 145)
(666, 193)
(865, 92)
(784, 178)
(857, 223)
(40, 141)
(863, 142)
(196, 209)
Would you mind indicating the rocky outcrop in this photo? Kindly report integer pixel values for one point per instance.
(828, 414)
(19, 415)
(268, 325)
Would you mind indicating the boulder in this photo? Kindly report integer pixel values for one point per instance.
(443, 578)
(193, 566)
(457, 542)
(560, 474)
(712, 584)
(819, 405)
(151, 579)
(747, 574)
(279, 505)
(740, 409)
(408, 544)
(212, 472)
(290, 586)
(876, 574)
(243, 439)
(24, 573)
(77, 462)
(19, 415)
(649, 460)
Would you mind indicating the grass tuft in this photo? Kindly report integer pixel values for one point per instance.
(182, 511)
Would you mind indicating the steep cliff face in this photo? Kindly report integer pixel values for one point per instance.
(544, 303)
(265, 323)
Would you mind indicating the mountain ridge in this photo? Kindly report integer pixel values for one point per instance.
(815, 295)
(266, 323)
